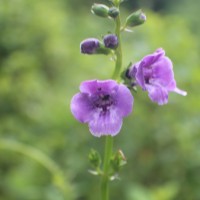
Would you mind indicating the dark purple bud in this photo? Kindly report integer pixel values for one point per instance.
(89, 46)
(110, 41)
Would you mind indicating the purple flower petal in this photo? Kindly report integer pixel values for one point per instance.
(102, 104)
(158, 94)
(93, 86)
(140, 78)
(162, 73)
(125, 101)
(181, 92)
(81, 107)
(152, 58)
(107, 124)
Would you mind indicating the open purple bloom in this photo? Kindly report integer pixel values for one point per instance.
(102, 104)
(154, 73)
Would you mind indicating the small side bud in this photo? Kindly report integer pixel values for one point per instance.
(113, 12)
(135, 19)
(110, 41)
(90, 46)
(118, 160)
(116, 2)
(100, 10)
(94, 158)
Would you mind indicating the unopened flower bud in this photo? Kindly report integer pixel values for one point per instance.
(136, 18)
(89, 46)
(100, 10)
(94, 158)
(110, 41)
(118, 160)
(113, 12)
(116, 2)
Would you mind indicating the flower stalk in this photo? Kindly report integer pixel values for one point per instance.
(109, 139)
(118, 52)
(106, 167)
(103, 104)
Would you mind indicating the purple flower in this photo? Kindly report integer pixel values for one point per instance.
(110, 41)
(89, 46)
(102, 104)
(154, 73)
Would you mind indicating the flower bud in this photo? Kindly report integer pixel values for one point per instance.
(118, 160)
(116, 2)
(94, 158)
(89, 46)
(100, 10)
(135, 19)
(113, 12)
(110, 41)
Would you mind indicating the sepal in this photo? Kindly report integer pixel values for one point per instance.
(127, 80)
(103, 50)
(116, 2)
(115, 177)
(95, 172)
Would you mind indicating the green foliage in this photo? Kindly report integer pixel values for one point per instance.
(41, 69)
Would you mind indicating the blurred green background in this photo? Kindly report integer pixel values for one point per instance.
(40, 70)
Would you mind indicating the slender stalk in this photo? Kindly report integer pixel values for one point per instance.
(109, 139)
(106, 167)
(118, 51)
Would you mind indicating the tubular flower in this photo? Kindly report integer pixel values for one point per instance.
(102, 104)
(154, 73)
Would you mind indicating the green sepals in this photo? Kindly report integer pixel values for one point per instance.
(94, 158)
(127, 80)
(113, 12)
(117, 161)
(135, 19)
(124, 74)
(103, 50)
(116, 2)
(100, 10)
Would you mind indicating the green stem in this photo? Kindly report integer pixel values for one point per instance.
(106, 167)
(118, 51)
(109, 139)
